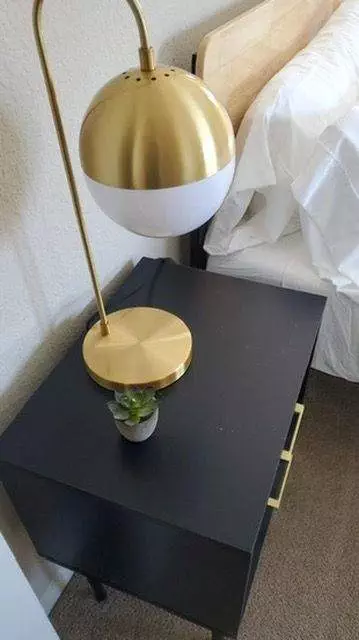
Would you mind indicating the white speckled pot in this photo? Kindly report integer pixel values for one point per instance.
(139, 432)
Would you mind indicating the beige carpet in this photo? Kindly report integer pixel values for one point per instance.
(307, 584)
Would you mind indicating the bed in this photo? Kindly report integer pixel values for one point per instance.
(236, 61)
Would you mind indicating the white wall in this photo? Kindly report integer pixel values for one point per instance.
(44, 285)
(21, 616)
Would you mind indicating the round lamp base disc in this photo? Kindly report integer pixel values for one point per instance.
(146, 347)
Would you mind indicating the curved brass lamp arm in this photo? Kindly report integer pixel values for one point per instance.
(141, 24)
(147, 64)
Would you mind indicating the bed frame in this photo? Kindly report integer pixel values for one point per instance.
(237, 59)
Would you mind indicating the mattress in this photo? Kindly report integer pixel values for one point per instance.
(285, 263)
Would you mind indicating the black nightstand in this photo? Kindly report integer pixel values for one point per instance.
(180, 519)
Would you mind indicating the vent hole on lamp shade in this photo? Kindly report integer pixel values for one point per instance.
(127, 77)
(154, 78)
(167, 75)
(138, 79)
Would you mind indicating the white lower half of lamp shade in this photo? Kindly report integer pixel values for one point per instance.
(166, 212)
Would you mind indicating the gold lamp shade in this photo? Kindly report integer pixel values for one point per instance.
(157, 150)
(154, 130)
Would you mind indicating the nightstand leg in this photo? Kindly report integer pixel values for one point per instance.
(98, 589)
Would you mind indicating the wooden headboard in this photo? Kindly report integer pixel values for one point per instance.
(237, 59)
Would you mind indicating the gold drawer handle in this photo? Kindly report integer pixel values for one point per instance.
(275, 502)
(287, 453)
(287, 456)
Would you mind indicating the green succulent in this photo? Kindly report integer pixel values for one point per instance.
(133, 405)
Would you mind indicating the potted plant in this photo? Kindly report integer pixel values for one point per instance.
(135, 412)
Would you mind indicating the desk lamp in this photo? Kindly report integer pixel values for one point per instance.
(157, 151)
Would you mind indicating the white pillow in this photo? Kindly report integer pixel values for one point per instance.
(278, 134)
(328, 192)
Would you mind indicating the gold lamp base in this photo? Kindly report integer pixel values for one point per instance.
(145, 347)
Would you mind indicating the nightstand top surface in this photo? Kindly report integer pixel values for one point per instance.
(210, 465)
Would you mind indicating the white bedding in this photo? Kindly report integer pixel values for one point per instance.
(279, 132)
(286, 263)
(291, 218)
